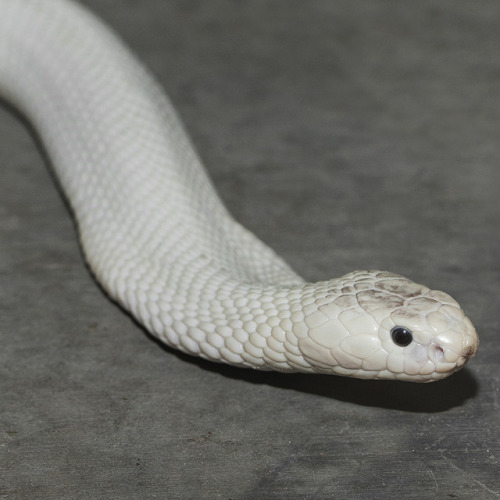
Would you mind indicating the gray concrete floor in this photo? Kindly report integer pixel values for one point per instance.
(346, 134)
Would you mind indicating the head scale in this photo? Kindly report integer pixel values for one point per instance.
(382, 325)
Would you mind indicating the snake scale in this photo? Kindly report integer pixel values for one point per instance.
(161, 243)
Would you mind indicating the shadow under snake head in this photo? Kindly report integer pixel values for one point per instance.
(385, 326)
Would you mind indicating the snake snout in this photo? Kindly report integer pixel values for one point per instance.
(452, 348)
(471, 343)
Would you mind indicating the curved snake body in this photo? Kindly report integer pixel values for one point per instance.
(161, 243)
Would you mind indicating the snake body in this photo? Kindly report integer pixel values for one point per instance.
(161, 243)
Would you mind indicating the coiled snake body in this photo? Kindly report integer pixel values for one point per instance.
(161, 243)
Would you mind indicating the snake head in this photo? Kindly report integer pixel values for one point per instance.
(382, 325)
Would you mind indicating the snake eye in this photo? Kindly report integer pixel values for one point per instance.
(401, 336)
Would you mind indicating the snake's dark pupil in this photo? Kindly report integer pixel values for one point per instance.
(401, 336)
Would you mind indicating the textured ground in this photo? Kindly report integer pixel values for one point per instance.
(349, 134)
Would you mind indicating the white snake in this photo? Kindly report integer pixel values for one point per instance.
(161, 243)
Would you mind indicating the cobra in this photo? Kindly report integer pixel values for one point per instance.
(162, 244)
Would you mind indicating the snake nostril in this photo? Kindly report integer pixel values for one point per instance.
(436, 353)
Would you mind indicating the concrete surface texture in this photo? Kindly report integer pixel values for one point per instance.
(347, 134)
